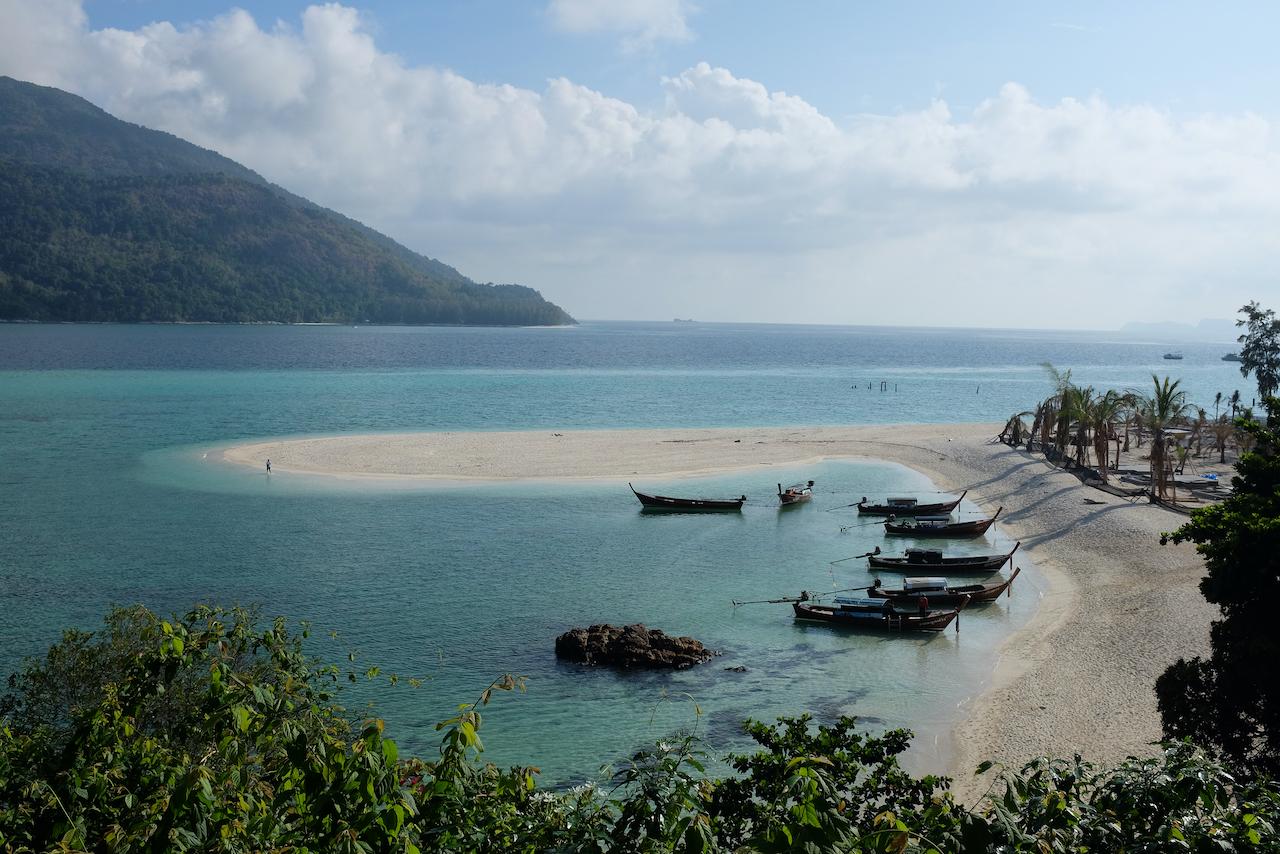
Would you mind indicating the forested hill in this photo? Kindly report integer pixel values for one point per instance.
(102, 220)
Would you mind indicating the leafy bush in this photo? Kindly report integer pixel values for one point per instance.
(1227, 702)
(213, 733)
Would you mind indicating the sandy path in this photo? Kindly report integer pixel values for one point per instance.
(1078, 678)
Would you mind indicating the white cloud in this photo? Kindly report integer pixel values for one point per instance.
(728, 188)
(641, 23)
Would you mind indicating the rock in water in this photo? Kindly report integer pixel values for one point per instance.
(631, 647)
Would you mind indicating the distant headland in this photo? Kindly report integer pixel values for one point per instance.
(106, 221)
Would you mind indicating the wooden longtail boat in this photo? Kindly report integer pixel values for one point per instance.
(796, 494)
(932, 560)
(689, 505)
(939, 592)
(876, 615)
(908, 507)
(939, 526)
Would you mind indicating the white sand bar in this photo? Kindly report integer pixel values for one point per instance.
(1079, 677)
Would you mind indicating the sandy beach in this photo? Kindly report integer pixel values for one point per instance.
(1078, 678)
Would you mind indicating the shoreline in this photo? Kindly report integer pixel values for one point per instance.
(1078, 677)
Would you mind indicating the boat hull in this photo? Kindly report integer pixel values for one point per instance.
(793, 495)
(955, 529)
(664, 503)
(917, 510)
(917, 528)
(968, 565)
(866, 620)
(973, 594)
(937, 508)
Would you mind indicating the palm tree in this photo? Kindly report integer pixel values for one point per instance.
(1223, 428)
(1015, 428)
(1073, 421)
(1102, 416)
(1164, 408)
(1057, 411)
(1046, 415)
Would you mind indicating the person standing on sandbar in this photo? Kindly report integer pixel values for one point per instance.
(268, 466)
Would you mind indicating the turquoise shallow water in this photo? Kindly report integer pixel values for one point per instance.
(105, 498)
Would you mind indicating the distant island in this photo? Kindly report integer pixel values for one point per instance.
(106, 221)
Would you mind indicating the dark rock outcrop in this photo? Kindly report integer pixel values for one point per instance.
(631, 647)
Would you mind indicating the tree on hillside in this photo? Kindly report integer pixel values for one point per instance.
(1260, 354)
(1231, 702)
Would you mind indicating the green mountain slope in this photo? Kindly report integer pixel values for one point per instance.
(101, 220)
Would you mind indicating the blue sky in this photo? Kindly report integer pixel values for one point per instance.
(841, 57)
(739, 161)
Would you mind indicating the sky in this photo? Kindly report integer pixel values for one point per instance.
(1012, 164)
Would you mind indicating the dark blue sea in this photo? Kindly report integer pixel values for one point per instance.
(101, 504)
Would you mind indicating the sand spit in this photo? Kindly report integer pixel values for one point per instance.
(1078, 678)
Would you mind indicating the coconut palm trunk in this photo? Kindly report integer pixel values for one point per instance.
(1166, 406)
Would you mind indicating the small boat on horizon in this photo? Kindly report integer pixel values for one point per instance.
(795, 494)
(689, 505)
(939, 526)
(932, 560)
(876, 615)
(939, 591)
(1174, 355)
(1233, 357)
(908, 507)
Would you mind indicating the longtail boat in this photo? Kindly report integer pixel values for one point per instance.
(939, 592)
(908, 507)
(795, 494)
(689, 505)
(876, 615)
(932, 560)
(939, 526)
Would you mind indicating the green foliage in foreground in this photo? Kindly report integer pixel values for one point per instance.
(213, 733)
(1230, 702)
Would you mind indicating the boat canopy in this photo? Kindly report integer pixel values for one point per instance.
(926, 521)
(859, 602)
(902, 502)
(922, 585)
(924, 555)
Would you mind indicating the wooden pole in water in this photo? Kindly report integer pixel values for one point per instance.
(874, 551)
